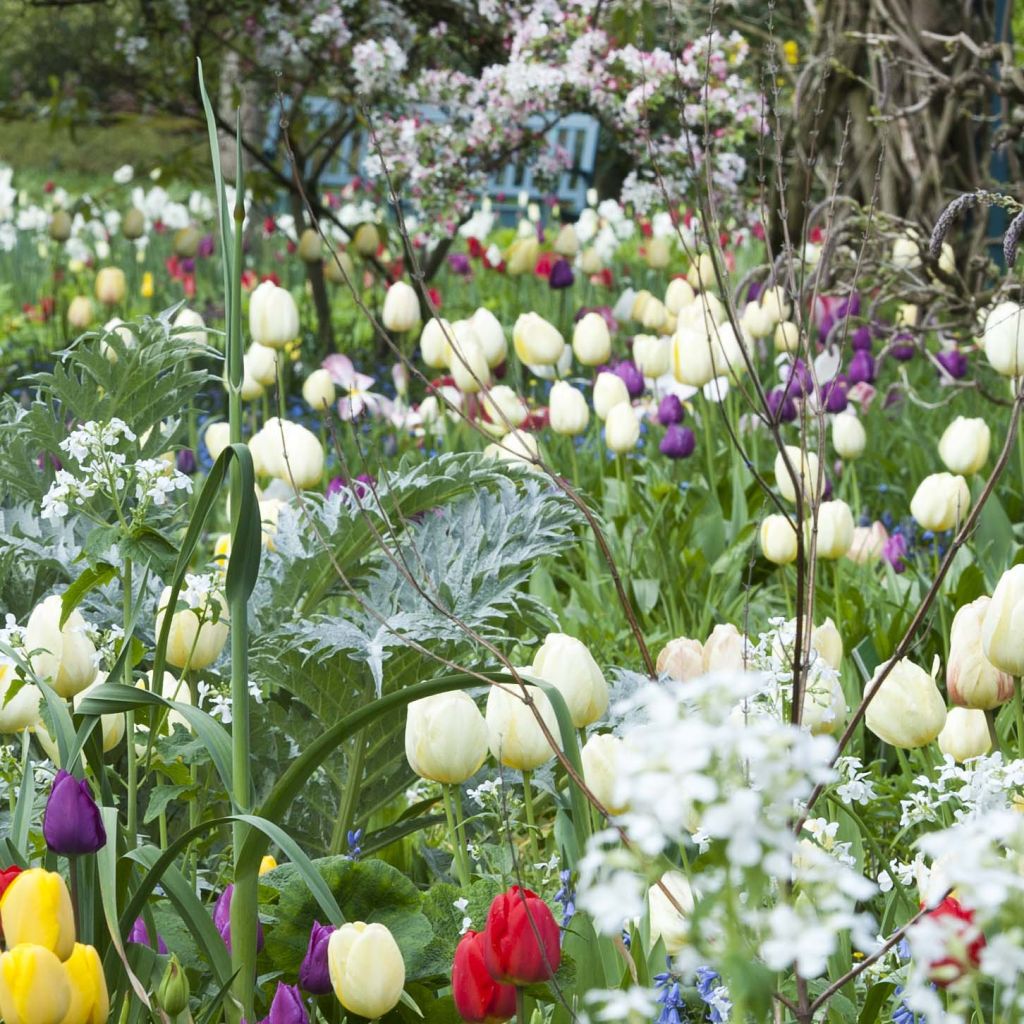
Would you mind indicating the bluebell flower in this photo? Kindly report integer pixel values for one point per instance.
(566, 898)
(354, 838)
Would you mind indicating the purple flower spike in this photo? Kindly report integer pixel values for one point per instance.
(71, 821)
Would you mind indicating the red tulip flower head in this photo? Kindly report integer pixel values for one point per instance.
(521, 940)
(478, 997)
(964, 942)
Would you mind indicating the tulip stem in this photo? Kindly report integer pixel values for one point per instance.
(531, 826)
(461, 864)
(1018, 705)
(133, 762)
(520, 1005)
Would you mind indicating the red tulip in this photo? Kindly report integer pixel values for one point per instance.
(8, 875)
(478, 997)
(521, 940)
(964, 942)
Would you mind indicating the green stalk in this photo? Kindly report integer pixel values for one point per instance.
(1018, 706)
(461, 863)
(133, 763)
(350, 794)
(530, 818)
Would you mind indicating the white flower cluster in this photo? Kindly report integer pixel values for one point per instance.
(705, 762)
(104, 468)
(979, 787)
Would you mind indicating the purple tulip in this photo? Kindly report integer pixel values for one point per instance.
(861, 340)
(954, 362)
(903, 348)
(862, 368)
(314, 975)
(850, 306)
(826, 494)
(188, 265)
(894, 551)
(561, 275)
(140, 936)
(287, 1006)
(754, 291)
(834, 394)
(71, 821)
(678, 442)
(222, 919)
(206, 247)
(631, 377)
(459, 262)
(800, 381)
(670, 410)
(186, 461)
(781, 406)
(827, 323)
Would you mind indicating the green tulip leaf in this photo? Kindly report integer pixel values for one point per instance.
(446, 919)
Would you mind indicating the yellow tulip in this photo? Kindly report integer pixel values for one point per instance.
(34, 986)
(267, 864)
(90, 1002)
(36, 908)
(146, 288)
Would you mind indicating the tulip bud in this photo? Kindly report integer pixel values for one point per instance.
(338, 267)
(491, 336)
(401, 308)
(848, 436)
(314, 972)
(658, 253)
(835, 529)
(172, 994)
(289, 452)
(273, 316)
(537, 342)
(567, 242)
(435, 343)
(591, 340)
(36, 908)
(725, 650)
(965, 734)
(568, 665)
(756, 320)
(775, 303)
(907, 711)
(190, 326)
(609, 390)
(652, 354)
(366, 968)
(654, 314)
(787, 336)
(195, 640)
(678, 294)
(34, 987)
(824, 707)
(591, 262)
(567, 410)
(971, 679)
(805, 468)
(80, 312)
(445, 737)
(621, 428)
(521, 941)
(318, 390)
(468, 364)
(111, 286)
(1003, 339)
(216, 437)
(521, 255)
(71, 821)
(186, 242)
(261, 364)
(65, 655)
(515, 738)
(60, 226)
(310, 246)
(515, 446)
(778, 539)
(505, 409)
(479, 999)
(682, 659)
(22, 710)
(701, 274)
(941, 502)
(366, 240)
(699, 357)
(133, 224)
(964, 445)
(1002, 637)
(287, 1006)
(667, 923)
(600, 755)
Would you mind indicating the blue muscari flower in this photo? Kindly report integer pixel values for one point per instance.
(627, 939)
(671, 997)
(354, 839)
(566, 898)
(903, 1014)
(711, 991)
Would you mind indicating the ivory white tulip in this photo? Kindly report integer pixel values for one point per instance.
(1003, 339)
(756, 320)
(805, 467)
(778, 539)
(515, 738)
(775, 303)
(80, 312)
(366, 968)
(567, 409)
(906, 254)
(621, 428)
(848, 436)
(515, 446)
(288, 451)
(1002, 629)
(964, 445)
(468, 363)
(699, 357)
(972, 681)
(568, 665)
(261, 363)
(609, 391)
(567, 242)
(552, 371)
(65, 656)
(22, 710)
(678, 294)
(725, 650)
(491, 336)
(652, 354)
(401, 310)
(787, 336)
(907, 711)
(445, 737)
(835, 529)
(701, 274)
(318, 390)
(273, 316)
(116, 326)
(435, 343)
(682, 659)
(941, 501)
(965, 734)
(591, 340)
(111, 285)
(667, 923)
(216, 436)
(190, 325)
(600, 756)
(505, 408)
(824, 710)
(195, 640)
(537, 342)
(654, 314)
(868, 543)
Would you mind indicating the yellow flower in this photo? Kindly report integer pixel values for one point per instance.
(34, 986)
(146, 288)
(36, 908)
(267, 864)
(90, 1002)
(791, 51)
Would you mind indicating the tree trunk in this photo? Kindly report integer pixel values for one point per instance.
(317, 282)
(236, 93)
